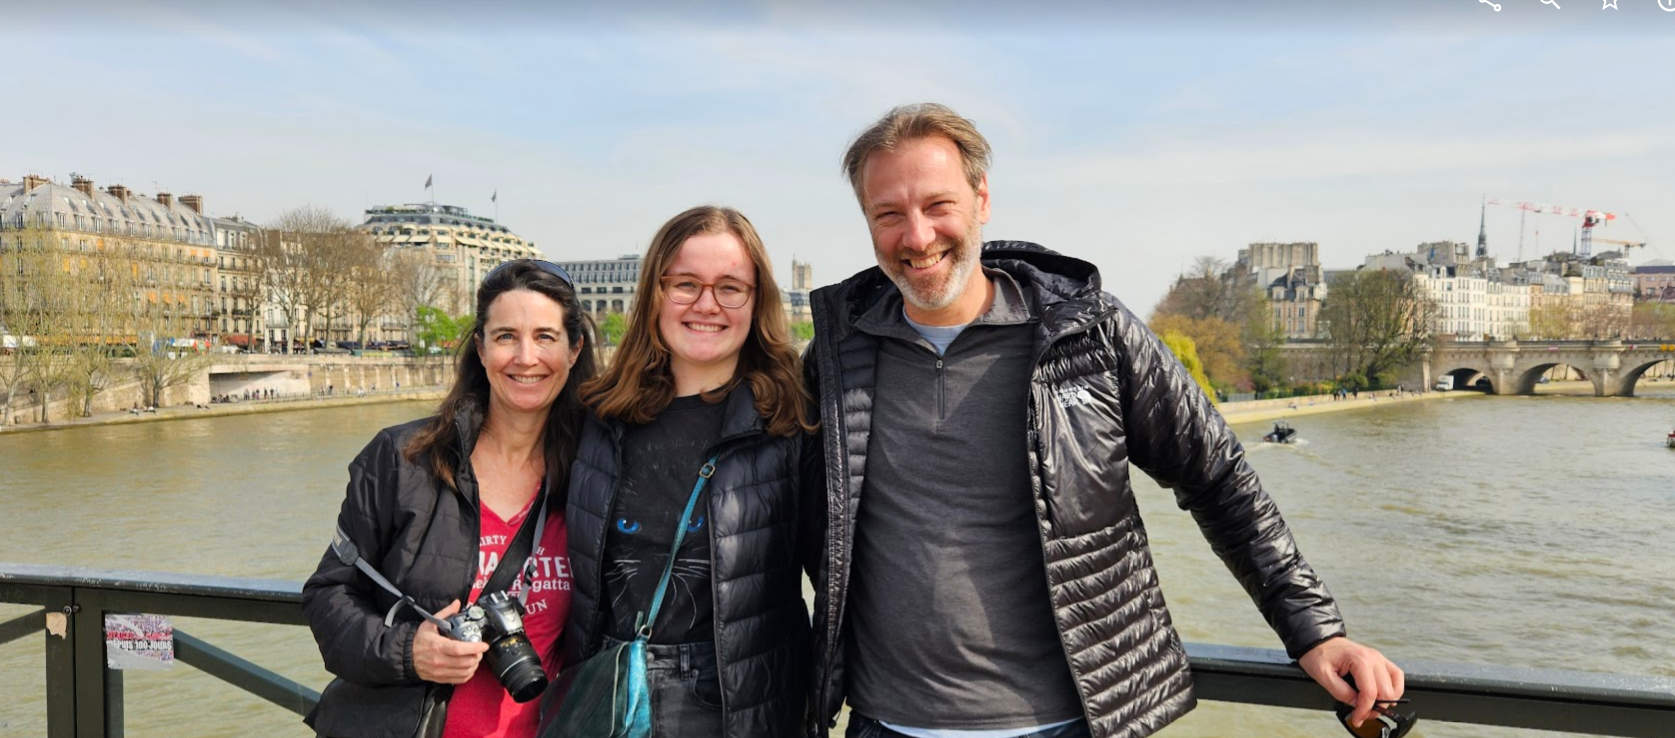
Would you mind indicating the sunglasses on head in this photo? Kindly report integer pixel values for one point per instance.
(545, 266)
(1385, 721)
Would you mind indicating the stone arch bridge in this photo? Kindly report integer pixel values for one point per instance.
(1513, 367)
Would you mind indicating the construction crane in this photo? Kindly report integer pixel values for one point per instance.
(1590, 218)
(1625, 244)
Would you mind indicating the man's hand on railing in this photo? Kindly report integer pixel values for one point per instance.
(1372, 677)
(438, 658)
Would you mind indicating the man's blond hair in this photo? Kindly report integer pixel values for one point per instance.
(909, 123)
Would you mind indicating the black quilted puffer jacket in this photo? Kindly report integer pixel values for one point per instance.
(764, 532)
(1105, 395)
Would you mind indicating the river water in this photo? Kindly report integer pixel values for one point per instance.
(1524, 531)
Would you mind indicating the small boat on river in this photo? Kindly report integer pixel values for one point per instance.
(1671, 440)
(1284, 433)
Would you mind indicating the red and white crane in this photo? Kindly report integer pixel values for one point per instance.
(1590, 218)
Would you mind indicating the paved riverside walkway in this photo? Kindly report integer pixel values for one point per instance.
(1255, 411)
(241, 407)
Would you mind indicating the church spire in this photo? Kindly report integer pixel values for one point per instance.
(1482, 230)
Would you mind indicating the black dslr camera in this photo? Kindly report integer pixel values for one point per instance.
(497, 619)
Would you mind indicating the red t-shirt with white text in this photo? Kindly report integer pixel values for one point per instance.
(480, 706)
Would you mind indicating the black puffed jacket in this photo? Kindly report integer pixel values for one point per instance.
(420, 535)
(762, 533)
(1105, 394)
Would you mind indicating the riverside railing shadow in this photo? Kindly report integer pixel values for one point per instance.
(84, 697)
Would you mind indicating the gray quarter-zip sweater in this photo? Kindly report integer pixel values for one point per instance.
(952, 624)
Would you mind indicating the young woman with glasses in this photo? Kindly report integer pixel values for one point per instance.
(435, 504)
(705, 369)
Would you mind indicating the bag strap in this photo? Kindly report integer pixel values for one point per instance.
(646, 619)
(522, 545)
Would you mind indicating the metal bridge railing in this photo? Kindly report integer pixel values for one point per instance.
(84, 698)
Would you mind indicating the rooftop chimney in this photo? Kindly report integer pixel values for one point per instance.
(119, 191)
(165, 198)
(195, 202)
(82, 183)
(31, 181)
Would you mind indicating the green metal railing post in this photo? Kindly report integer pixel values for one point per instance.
(60, 650)
(93, 681)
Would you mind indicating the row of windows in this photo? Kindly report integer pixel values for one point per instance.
(426, 219)
(442, 232)
(109, 212)
(101, 225)
(599, 306)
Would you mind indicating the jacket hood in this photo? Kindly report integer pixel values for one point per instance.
(1066, 291)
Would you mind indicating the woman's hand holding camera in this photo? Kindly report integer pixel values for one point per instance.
(438, 658)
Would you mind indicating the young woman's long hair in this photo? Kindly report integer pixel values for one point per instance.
(437, 444)
(639, 384)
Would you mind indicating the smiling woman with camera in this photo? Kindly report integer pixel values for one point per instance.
(466, 506)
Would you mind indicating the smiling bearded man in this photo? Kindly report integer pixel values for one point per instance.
(986, 573)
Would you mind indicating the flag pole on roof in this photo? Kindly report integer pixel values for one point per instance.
(495, 198)
(430, 179)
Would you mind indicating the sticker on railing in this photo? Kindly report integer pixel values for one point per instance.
(137, 641)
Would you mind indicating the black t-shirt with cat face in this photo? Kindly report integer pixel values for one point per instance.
(660, 462)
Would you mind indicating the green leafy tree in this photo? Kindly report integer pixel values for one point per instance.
(612, 328)
(438, 329)
(1652, 320)
(1265, 362)
(1186, 352)
(1217, 345)
(803, 332)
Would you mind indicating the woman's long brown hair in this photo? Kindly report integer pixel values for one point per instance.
(638, 384)
(437, 444)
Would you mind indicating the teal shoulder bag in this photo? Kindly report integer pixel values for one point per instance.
(607, 696)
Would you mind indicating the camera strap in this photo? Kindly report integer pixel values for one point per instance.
(522, 545)
(518, 550)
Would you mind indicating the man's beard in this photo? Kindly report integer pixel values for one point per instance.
(936, 293)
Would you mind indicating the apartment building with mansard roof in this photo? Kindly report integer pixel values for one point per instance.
(171, 243)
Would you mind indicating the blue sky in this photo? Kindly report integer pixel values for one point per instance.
(1135, 135)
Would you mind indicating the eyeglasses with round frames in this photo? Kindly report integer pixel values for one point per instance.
(685, 290)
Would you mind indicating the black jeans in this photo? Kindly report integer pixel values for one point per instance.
(865, 727)
(685, 689)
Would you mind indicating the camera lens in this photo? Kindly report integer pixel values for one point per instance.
(511, 655)
(517, 667)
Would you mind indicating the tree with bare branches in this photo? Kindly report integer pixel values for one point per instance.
(164, 352)
(102, 294)
(1376, 321)
(1207, 291)
(34, 277)
(305, 256)
(371, 291)
(418, 283)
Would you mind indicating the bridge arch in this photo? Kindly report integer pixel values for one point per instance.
(1467, 377)
(1632, 373)
(1613, 366)
(1528, 376)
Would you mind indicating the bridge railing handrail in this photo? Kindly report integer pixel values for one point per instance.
(84, 697)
